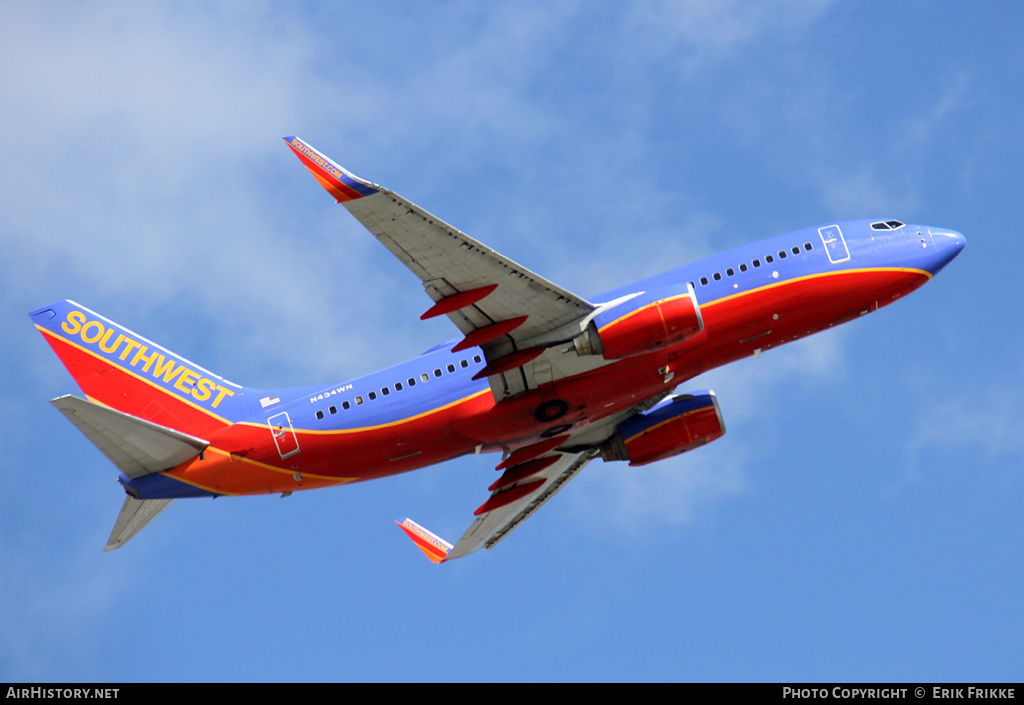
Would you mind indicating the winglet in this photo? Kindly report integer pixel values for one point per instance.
(435, 547)
(342, 184)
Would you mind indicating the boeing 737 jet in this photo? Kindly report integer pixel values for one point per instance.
(539, 376)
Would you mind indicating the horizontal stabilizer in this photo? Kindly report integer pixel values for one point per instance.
(135, 514)
(137, 447)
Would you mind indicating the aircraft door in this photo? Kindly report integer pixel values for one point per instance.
(284, 434)
(835, 245)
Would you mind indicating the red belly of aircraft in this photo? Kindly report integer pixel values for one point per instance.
(247, 462)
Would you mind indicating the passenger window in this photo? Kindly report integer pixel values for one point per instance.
(769, 259)
(808, 246)
(451, 368)
(437, 372)
(703, 281)
(398, 386)
(411, 381)
(796, 250)
(345, 405)
(782, 254)
(717, 276)
(424, 377)
(743, 267)
(319, 414)
(464, 363)
(730, 271)
(372, 395)
(333, 409)
(359, 400)
(757, 263)
(385, 390)
(476, 359)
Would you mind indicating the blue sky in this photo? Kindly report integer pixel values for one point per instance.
(860, 520)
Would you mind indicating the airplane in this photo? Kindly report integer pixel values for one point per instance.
(544, 377)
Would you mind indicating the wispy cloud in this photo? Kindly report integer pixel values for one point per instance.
(977, 423)
(707, 32)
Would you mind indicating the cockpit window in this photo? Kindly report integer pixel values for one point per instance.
(887, 225)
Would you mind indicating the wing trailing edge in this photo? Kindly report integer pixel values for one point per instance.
(510, 504)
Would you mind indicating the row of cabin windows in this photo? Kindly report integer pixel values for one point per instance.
(399, 386)
(769, 259)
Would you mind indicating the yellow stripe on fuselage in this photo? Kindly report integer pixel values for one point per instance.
(807, 277)
(389, 424)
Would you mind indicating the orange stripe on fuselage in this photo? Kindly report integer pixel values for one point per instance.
(329, 458)
(229, 474)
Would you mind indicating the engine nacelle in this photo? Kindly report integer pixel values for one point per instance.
(659, 324)
(674, 426)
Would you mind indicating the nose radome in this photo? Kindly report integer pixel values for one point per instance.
(948, 244)
(951, 238)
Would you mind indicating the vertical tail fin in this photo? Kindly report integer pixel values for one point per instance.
(123, 370)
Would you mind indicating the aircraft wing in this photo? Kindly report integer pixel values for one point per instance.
(512, 313)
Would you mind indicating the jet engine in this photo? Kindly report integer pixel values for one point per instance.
(675, 425)
(662, 323)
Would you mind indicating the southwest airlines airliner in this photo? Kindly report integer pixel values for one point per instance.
(543, 377)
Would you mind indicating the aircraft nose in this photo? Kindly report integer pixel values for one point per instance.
(948, 244)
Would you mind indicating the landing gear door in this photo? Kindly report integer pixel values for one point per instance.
(835, 245)
(284, 435)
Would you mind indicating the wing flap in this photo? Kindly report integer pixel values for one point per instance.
(136, 446)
